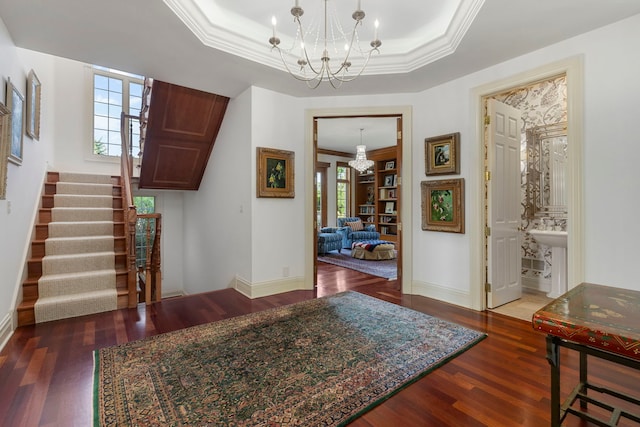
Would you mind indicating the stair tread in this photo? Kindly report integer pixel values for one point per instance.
(82, 255)
(75, 297)
(78, 274)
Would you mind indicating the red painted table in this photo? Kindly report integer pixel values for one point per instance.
(598, 321)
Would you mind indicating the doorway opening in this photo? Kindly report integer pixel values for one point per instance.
(400, 143)
(363, 206)
(550, 95)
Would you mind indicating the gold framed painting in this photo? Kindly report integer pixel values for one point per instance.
(275, 173)
(5, 114)
(15, 103)
(441, 154)
(443, 205)
(34, 88)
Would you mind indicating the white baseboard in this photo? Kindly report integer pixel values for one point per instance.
(273, 287)
(6, 330)
(452, 296)
(173, 294)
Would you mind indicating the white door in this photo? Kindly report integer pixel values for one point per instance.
(503, 199)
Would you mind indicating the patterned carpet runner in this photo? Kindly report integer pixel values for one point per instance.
(322, 362)
(78, 269)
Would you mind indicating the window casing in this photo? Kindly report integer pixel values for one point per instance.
(113, 93)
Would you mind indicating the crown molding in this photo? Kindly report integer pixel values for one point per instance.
(220, 29)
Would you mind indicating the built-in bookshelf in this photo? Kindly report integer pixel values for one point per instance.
(387, 178)
(377, 193)
(365, 197)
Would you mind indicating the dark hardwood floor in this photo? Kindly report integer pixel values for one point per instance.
(46, 369)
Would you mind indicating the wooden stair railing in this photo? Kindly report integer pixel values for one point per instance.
(131, 218)
(150, 277)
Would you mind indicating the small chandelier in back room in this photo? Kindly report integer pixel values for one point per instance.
(361, 163)
(326, 35)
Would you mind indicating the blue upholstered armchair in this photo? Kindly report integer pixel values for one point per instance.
(349, 236)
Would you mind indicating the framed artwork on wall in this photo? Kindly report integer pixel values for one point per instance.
(443, 205)
(34, 89)
(275, 172)
(4, 148)
(441, 154)
(15, 103)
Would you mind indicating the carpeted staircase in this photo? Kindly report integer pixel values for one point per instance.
(79, 262)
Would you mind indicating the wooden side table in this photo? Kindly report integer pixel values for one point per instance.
(598, 321)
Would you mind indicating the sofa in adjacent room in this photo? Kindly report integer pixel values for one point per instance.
(351, 229)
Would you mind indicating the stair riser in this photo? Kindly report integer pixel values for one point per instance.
(53, 177)
(46, 214)
(48, 203)
(70, 247)
(34, 267)
(42, 231)
(76, 285)
(50, 189)
(30, 288)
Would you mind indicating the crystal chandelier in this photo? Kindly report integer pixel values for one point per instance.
(361, 163)
(329, 36)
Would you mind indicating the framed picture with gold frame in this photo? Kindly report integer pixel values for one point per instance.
(275, 173)
(34, 88)
(443, 205)
(15, 103)
(441, 154)
(4, 149)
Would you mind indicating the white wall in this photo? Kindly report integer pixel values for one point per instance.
(277, 121)
(24, 182)
(217, 230)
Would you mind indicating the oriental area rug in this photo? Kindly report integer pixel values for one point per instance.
(382, 268)
(322, 362)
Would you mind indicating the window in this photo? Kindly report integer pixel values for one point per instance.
(343, 185)
(114, 92)
(144, 205)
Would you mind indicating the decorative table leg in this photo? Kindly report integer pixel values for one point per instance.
(553, 357)
(583, 379)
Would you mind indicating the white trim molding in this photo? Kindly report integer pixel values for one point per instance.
(272, 287)
(446, 294)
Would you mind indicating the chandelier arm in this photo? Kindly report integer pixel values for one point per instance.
(294, 75)
(349, 79)
(346, 58)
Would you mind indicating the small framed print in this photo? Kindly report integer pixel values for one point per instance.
(390, 165)
(275, 173)
(441, 154)
(443, 205)
(389, 207)
(388, 181)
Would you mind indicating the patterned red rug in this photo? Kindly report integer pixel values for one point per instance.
(321, 362)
